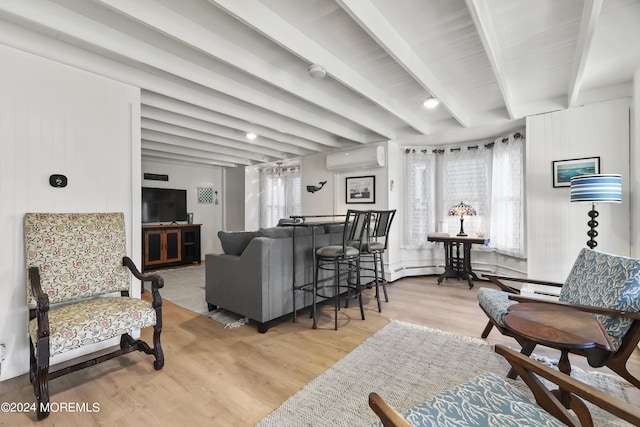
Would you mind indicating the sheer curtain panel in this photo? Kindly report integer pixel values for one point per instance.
(279, 194)
(420, 170)
(507, 195)
(467, 178)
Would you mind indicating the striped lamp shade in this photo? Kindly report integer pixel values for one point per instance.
(597, 188)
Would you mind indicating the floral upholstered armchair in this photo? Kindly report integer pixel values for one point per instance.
(78, 292)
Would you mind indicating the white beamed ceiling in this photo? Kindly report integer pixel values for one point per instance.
(212, 70)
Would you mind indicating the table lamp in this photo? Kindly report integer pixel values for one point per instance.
(462, 209)
(605, 188)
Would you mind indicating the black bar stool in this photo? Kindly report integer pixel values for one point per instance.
(344, 261)
(372, 251)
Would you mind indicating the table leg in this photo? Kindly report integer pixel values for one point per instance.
(448, 262)
(466, 265)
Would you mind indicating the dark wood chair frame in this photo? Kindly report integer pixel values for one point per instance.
(39, 374)
(616, 361)
(529, 370)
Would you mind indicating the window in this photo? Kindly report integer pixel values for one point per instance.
(279, 194)
(420, 197)
(466, 178)
(488, 177)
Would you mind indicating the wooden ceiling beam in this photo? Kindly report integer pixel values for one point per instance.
(383, 32)
(159, 142)
(166, 21)
(101, 36)
(483, 21)
(199, 140)
(262, 19)
(182, 159)
(590, 15)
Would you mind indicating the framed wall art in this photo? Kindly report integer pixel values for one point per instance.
(564, 170)
(360, 189)
(205, 195)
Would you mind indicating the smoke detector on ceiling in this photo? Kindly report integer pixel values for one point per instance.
(317, 71)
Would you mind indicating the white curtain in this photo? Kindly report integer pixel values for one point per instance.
(507, 225)
(280, 195)
(467, 179)
(488, 177)
(420, 196)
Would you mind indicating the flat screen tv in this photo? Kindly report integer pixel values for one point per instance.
(163, 205)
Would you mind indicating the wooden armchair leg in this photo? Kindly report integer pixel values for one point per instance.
(487, 329)
(620, 368)
(527, 349)
(41, 381)
(157, 347)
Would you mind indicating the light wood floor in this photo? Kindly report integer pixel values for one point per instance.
(234, 377)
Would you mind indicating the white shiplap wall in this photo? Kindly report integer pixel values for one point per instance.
(57, 119)
(556, 227)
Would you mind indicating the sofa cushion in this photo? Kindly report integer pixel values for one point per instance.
(275, 232)
(75, 325)
(495, 303)
(235, 242)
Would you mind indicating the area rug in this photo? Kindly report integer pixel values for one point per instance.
(186, 287)
(406, 364)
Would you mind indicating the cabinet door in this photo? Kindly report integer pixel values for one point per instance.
(173, 245)
(191, 243)
(153, 247)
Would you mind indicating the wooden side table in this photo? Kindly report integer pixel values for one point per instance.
(455, 265)
(563, 328)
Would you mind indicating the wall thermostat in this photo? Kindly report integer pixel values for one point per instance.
(58, 181)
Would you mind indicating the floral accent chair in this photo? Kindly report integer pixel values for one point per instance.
(78, 293)
(608, 286)
(488, 400)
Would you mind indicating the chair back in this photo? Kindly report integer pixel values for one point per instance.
(356, 230)
(78, 255)
(381, 224)
(598, 279)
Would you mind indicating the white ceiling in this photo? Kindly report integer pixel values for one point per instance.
(211, 71)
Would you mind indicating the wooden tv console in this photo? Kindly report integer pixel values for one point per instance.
(170, 245)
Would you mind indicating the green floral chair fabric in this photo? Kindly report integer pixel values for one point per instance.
(606, 285)
(78, 292)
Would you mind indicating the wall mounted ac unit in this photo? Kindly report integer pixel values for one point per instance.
(361, 158)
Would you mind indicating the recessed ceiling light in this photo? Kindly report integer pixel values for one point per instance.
(251, 136)
(431, 102)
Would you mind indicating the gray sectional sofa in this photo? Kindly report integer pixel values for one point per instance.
(254, 276)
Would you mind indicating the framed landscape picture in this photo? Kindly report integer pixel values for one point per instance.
(360, 189)
(564, 170)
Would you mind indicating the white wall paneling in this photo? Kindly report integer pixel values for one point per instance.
(57, 119)
(557, 228)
